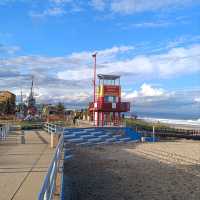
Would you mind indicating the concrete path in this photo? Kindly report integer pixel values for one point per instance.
(24, 166)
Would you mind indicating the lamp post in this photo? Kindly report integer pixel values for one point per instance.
(94, 83)
(94, 80)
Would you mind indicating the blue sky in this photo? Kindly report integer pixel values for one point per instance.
(154, 45)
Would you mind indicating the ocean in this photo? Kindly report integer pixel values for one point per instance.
(180, 119)
(173, 121)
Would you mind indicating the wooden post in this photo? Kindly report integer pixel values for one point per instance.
(22, 137)
(54, 137)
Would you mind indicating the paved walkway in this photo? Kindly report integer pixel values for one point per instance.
(24, 166)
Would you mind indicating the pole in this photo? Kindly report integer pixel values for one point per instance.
(94, 83)
(94, 80)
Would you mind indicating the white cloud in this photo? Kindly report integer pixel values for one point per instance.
(175, 62)
(103, 55)
(133, 6)
(9, 49)
(61, 1)
(76, 75)
(197, 100)
(85, 72)
(72, 74)
(146, 90)
(157, 24)
(98, 4)
(54, 11)
(56, 8)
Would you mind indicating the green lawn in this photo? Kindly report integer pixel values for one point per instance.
(147, 126)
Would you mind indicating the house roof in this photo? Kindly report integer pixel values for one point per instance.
(108, 77)
(6, 92)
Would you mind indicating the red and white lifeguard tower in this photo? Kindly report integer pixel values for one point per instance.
(107, 107)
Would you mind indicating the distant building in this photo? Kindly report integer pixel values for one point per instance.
(7, 103)
(53, 113)
(32, 110)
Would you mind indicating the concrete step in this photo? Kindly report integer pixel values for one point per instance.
(70, 135)
(104, 142)
(99, 134)
(118, 142)
(79, 132)
(84, 144)
(95, 140)
(77, 140)
(125, 139)
(117, 136)
(104, 136)
(89, 129)
(96, 132)
(85, 133)
(111, 140)
(88, 137)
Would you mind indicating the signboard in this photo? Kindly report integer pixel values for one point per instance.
(114, 106)
(111, 90)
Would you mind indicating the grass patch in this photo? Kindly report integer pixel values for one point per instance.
(147, 126)
(28, 125)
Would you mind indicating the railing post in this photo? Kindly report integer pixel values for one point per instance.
(4, 132)
(54, 136)
(47, 127)
(153, 133)
(52, 139)
(22, 137)
(1, 132)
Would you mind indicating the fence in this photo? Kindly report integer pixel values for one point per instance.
(49, 185)
(4, 130)
(53, 128)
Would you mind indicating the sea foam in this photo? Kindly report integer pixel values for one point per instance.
(173, 121)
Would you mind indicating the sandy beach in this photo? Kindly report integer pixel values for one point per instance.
(164, 170)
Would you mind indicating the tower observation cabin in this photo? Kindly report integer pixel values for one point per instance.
(107, 107)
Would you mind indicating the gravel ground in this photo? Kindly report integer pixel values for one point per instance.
(129, 172)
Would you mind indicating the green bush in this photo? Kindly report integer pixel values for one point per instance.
(28, 125)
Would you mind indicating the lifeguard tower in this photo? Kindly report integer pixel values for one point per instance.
(107, 108)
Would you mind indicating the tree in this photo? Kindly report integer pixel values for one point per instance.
(60, 107)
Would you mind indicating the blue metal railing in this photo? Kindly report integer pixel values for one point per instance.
(49, 184)
(63, 194)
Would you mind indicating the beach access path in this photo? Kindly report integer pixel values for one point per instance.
(23, 166)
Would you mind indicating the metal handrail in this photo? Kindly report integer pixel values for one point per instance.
(48, 187)
(4, 130)
(53, 128)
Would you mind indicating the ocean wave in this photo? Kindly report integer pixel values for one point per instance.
(173, 121)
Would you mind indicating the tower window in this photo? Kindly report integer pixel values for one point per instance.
(111, 99)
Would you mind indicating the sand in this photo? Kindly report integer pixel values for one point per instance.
(165, 170)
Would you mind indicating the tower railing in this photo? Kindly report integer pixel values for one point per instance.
(107, 106)
(110, 123)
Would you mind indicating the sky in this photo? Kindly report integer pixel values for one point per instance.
(154, 46)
